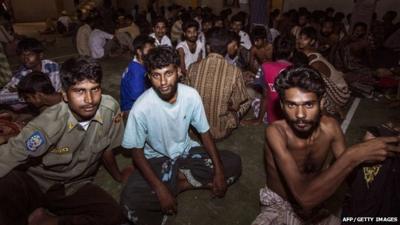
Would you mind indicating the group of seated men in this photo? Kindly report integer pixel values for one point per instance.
(47, 170)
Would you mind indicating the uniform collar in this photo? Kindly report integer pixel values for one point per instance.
(73, 122)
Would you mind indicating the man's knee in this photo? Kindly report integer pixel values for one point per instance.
(137, 194)
(143, 217)
(112, 216)
(232, 165)
(106, 214)
(19, 195)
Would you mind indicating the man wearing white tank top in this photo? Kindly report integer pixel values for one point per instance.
(190, 50)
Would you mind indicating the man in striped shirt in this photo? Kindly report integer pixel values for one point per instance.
(5, 72)
(220, 85)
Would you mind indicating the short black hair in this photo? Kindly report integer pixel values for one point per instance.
(35, 82)
(339, 16)
(207, 19)
(310, 32)
(305, 14)
(140, 41)
(233, 36)
(303, 77)
(188, 24)
(218, 39)
(75, 70)
(160, 20)
(330, 9)
(328, 20)
(299, 58)
(225, 13)
(129, 17)
(258, 32)
(237, 18)
(390, 15)
(218, 18)
(160, 57)
(284, 45)
(29, 44)
(360, 24)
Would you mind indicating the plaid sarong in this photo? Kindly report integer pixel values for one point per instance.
(277, 211)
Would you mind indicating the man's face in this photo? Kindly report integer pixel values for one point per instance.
(128, 21)
(160, 29)
(206, 26)
(359, 32)
(165, 82)
(219, 23)
(236, 26)
(34, 100)
(232, 48)
(31, 60)
(146, 48)
(303, 20)
(191, 34)
(83, 99)
(259, 42)
(303, 42)
(388, 17)
(302, 111)
(327, 29)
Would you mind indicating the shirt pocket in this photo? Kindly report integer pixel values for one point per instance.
(57, 157)
(99, 146)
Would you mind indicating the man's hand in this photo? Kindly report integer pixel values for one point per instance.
(6, 116)
(377, 149)
(125, 173)
(167, 200)
(219, 186)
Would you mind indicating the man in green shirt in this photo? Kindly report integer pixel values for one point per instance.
(47, 171)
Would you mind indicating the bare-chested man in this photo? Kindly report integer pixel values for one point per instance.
(296, 150)
(261, 51)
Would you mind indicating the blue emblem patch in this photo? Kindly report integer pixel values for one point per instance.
(35, 141)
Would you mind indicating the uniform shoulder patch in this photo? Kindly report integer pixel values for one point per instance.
(118, 118)
(36, 140)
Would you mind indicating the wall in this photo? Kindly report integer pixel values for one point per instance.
(29, 11)
(345, 6)
(217, 6)
(32, 11)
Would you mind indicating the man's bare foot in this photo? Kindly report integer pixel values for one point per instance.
(125, 173)
(41, 217)
(183, 183)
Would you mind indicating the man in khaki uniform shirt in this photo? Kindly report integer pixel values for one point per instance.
(47, 171)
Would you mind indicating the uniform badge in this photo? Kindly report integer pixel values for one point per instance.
(70, 125)
(35, 141)
(60, 150)
(118, 117)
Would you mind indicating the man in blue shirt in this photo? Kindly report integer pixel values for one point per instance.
(168, 160)
(134, 81)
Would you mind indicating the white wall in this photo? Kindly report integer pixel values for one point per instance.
(345, 6)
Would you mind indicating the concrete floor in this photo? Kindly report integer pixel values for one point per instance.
(240, 205)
